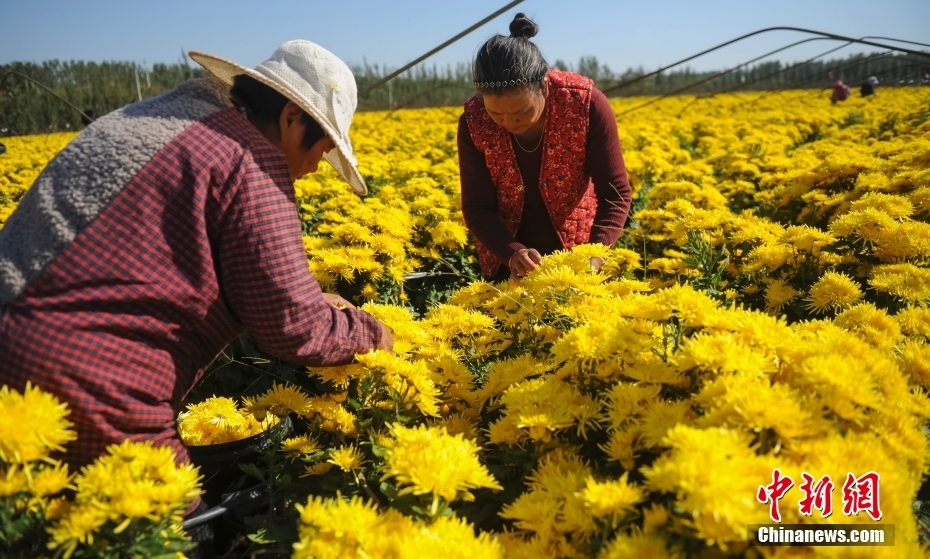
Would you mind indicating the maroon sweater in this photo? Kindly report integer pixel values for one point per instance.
(604, 165)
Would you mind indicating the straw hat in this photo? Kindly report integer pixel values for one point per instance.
(317, 81)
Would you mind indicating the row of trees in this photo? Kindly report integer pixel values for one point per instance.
(425, 86)
(95, 88)
(102, 87)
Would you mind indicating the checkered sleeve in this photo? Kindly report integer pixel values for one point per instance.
(265, 278)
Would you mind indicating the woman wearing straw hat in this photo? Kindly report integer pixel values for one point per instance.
(166, 229)
(539, 156)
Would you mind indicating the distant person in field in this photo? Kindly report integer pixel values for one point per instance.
(540, 159)
(868, 88)
(164, 231)
(840, 92)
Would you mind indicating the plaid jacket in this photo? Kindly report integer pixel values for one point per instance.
(157, 236)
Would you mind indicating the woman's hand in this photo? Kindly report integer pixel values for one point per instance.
(337, 301)
(523, 262)
(387, 338)
(597, 262)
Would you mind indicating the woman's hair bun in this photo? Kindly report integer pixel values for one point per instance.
(522, 26)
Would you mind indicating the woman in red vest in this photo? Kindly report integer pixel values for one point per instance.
(539, 157)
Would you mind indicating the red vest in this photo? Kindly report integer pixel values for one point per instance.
(565, 186)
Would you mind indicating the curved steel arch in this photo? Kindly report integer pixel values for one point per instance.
(725, 72)
(760, 78)
(853, 64)
(766, 30)
(46, 88)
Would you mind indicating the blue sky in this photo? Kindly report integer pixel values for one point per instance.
(621, 34)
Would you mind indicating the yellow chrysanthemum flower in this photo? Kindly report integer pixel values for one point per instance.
(715, 473)
(751, 401)
(78, 526)
(13, 481)
(299, 446)
(219, 420)
(449, 234)
(914, 358)
(50, 481)
(351, 528)
(32, 425)
(612, 497)
(281, 399)
(641, 545)
(331, 415)
(458, 425)
(429, 460)
(552, 506)
(317, 469)
(905, 281)
(893, 205)
(804, 238)
(914, 321)
(505, 431)
(725, 352)
(546, 405)
(654, 517)
(872, 324)
(778, 294)
(833, 291)
(132, 481)
(348, 458)
(408, 382)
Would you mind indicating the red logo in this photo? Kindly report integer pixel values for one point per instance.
(862, 495)
(773, 492)
(859, 495)
(816, 496)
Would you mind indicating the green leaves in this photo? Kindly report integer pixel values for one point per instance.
(710, 262)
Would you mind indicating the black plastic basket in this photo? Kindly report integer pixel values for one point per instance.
(219, 463)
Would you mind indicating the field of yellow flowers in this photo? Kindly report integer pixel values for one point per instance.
(764, 315)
